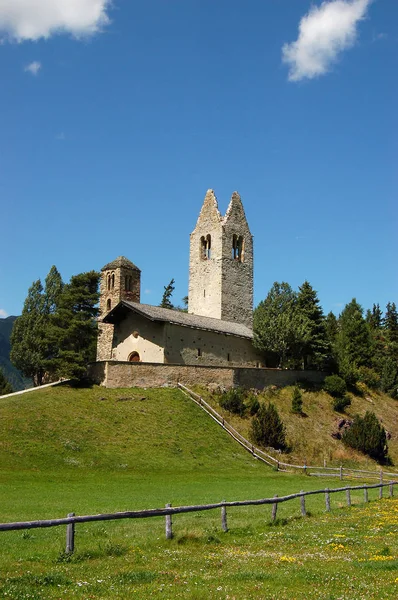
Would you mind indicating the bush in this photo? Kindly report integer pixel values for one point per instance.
(367, 435)
(234, 401)
(368, 376)
(297, 401)
(340, 403)
(253, 405)
(267, 428)
(335, 386)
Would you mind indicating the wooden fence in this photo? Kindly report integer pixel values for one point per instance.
(316, 471)
(169, 511)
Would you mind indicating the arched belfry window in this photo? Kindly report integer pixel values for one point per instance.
(113, 280)
(238, 248)
(108, 281)
(205, 247)
(108, 304)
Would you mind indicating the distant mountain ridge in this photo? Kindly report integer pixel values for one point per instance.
(17, 380)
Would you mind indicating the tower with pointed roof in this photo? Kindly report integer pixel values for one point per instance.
(221, 263)
(120, 280)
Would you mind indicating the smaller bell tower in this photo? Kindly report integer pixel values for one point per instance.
(120, 280)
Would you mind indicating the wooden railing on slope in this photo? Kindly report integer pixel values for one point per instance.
(340, 472)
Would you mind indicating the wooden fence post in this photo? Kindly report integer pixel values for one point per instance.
(348, 496)
(169, 529)
(391, 488)
(274, 509)
(70, 536)
(305, 468)
(327, 500)
(381, 489)
(224, 524)
(341, 472)
(365, 495)
(302, 503)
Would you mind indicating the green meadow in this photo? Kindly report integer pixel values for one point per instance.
(91, 451)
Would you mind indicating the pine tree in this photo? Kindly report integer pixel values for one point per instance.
(73, 329)
(27, 337)
(167, 294)
(353, 342)
(390, 328)
(316, 350)
(267, 428)
(297, 401)
(5, 386)
(367, 435)
(389, 377)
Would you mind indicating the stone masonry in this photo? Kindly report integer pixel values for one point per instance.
(221, 263)
(120, 280)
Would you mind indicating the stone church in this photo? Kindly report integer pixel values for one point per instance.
(216, 330)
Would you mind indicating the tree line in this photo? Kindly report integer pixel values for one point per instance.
(291, 330)
(56, 334)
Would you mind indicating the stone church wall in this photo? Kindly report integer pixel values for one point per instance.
(184, 345)
(114, 374)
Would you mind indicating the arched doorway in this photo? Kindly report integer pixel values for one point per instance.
(134, 357)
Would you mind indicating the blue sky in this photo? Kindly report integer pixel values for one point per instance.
(116, 119)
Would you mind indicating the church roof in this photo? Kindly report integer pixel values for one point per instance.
(120, 261)
(167, 315)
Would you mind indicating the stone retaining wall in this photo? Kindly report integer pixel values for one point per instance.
(115, 374)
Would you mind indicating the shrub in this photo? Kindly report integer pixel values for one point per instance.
(234, 401)
(368, 376)
(297, 401)
(253, 405)
(367, 435)
(335, 386)
(267, 428)
(341, 402)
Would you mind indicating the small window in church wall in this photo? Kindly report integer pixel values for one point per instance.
(199, 352)
(228, 357)
(108, 304)
(238, 248)
(205, 247)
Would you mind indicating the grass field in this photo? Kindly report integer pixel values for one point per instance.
(94, 450)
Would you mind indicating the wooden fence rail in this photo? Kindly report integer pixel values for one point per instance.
(271, 461)
(169, 511)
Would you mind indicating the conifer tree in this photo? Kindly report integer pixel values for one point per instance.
(167, 294)
(5, 386)
(353, 341)
(267, 428)
(73, 328)
(390, 328)
(316, 350)
(27, 337)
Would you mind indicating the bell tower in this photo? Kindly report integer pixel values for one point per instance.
(221, 263)
(120, 280)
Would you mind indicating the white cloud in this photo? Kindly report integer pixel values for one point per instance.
(3, 313)
(324, 32)
(34, 67)
(34, 19)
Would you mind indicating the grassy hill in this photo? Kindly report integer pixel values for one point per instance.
(97, 450)
(310, 434)
(16, 379)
